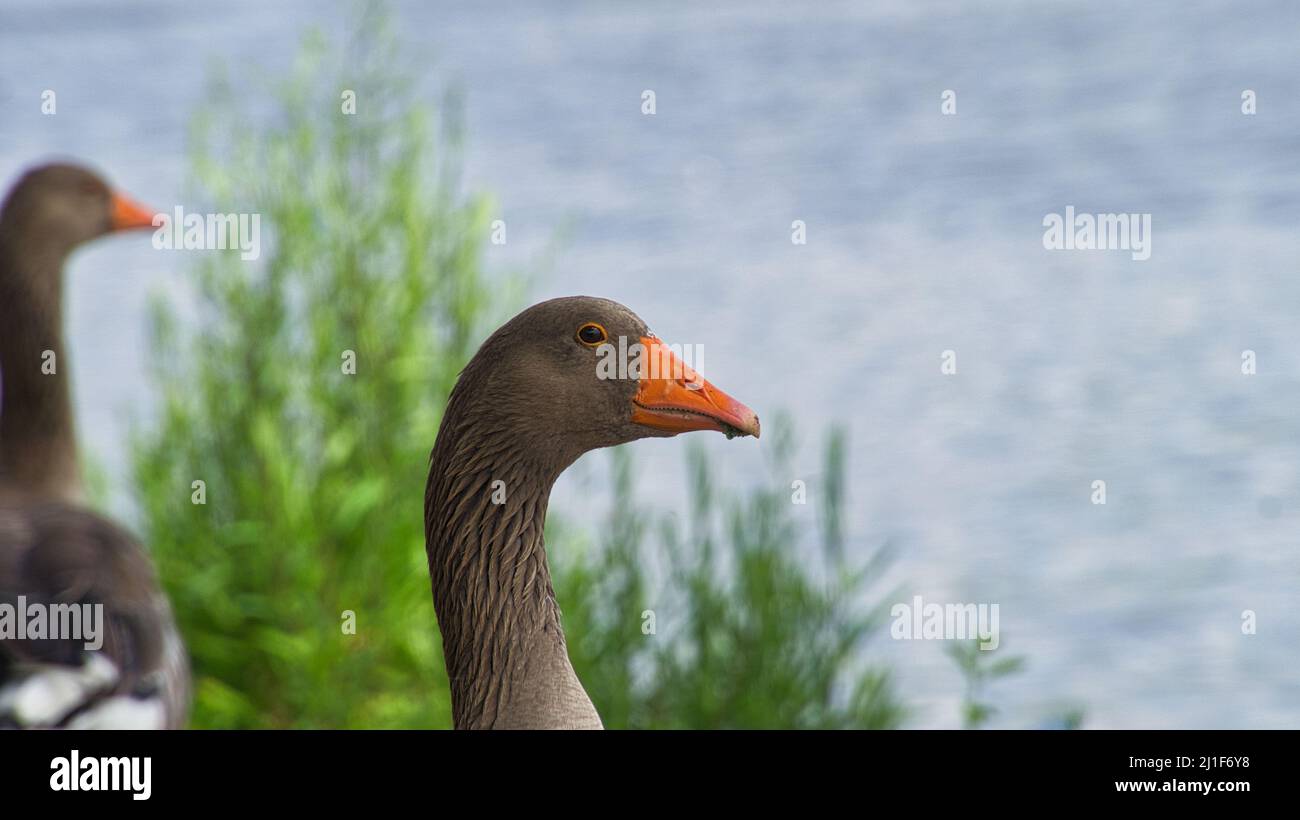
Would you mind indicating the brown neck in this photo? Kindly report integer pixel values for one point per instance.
(38, 451)
(505, 651)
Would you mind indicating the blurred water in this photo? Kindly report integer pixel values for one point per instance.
(924, 234)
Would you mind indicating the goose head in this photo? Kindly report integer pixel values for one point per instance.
(564, 377)
(49, 212)
(578, 373)
(56, 207)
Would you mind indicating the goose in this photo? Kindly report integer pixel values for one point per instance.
(562, 378)
(87, 638)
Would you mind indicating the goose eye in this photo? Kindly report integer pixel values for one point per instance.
(591, 334)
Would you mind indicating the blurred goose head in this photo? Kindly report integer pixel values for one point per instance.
(54, 208)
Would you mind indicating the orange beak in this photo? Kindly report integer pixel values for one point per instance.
(674, 397)
(128, 214)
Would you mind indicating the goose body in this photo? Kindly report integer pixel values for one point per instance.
(87, 638)
(538, 394)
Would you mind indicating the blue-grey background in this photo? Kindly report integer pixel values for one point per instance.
(924, 234)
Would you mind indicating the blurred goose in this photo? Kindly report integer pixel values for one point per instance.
(58, 559)
(541, 391)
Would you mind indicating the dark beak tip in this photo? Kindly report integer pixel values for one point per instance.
(747, 427)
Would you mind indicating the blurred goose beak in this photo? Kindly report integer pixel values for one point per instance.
(129, 214)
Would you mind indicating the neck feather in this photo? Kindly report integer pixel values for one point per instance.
(38, 451)
(485, 510)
